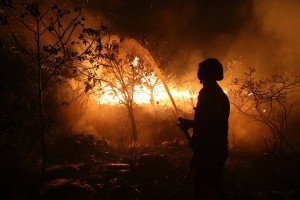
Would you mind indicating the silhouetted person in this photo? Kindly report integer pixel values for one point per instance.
(210, 129)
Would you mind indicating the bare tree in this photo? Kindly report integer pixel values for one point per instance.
(149, 81)
(122, 79)
(267, 101)
(52, 38)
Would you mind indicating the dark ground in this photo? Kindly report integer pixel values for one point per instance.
(82, 167)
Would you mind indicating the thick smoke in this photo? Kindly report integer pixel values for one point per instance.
(179, 34)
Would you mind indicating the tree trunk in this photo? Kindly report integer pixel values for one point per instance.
(40, 101)
(133, 124)
(152, 98)
(154, 119)
(42, 134)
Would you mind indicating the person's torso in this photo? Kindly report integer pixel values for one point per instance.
(211, 117)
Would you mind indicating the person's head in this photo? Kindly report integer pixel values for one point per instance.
(210, 70)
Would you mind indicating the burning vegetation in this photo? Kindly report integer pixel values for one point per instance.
(91, 112)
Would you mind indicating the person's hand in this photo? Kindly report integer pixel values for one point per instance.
(192, 145)
(183, 124)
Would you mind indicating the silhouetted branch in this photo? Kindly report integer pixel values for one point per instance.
(266, 101)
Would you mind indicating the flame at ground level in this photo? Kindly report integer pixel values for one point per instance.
(143, 96)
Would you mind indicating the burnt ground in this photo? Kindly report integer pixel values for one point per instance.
(82, 167)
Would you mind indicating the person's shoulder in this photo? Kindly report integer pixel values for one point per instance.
(223, 97)
(204, 92)
(207, 95)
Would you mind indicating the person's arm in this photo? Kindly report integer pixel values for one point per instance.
(202, 118)
(185, 124)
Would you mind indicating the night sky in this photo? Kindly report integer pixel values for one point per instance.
(171, 27)
(178, 30)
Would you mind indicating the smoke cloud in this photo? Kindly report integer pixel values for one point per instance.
(179, 34)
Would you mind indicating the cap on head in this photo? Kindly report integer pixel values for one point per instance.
(211, 68)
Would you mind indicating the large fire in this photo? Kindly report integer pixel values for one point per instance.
(142, 94)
